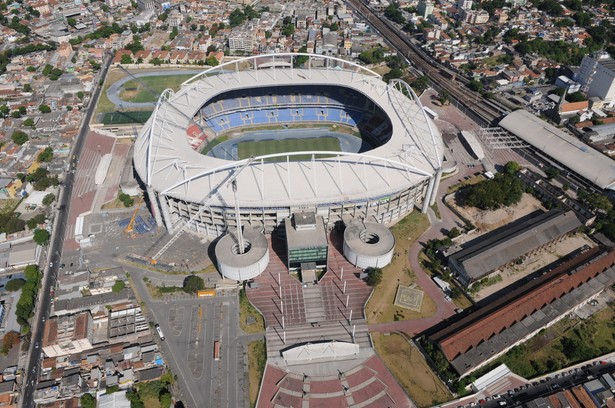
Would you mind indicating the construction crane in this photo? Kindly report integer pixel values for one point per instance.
(203, 205)
(131, 225)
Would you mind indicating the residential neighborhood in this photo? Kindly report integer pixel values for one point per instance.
(157, 158)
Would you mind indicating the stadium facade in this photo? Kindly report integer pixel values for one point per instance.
(383, 182)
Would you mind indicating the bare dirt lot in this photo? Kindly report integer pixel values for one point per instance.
(535, 262)
(486, 221)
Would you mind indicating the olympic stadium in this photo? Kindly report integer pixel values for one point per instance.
(257, 139)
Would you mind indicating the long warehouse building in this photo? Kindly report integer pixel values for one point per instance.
(567, 150)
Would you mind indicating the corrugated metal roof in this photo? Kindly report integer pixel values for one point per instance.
(566, 149)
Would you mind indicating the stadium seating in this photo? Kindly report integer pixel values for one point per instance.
(261, 106)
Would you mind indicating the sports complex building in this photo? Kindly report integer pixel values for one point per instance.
(257, 139)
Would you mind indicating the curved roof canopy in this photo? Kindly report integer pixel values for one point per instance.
(568, 150)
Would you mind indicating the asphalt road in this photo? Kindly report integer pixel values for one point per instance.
(54, 255)
(189, 341)
(547, 386)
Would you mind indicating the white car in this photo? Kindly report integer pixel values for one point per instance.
(51, 264)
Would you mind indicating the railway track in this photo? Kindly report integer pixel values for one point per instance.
(484, 109)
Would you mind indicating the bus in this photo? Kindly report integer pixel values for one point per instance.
(159, 331)
(216, 350)
(206, 293)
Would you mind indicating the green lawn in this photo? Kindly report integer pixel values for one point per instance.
(262, 147)
(123, 118)
(134, 91)
(104, 104)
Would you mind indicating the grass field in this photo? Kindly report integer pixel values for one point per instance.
(262, 147)
(104, 104)
(380, 308)
(213, 144)
(123, 118)
(403, 358)
(257, 358)
(246, 311)
(133, 91)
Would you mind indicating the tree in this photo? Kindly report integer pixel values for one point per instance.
(19, 137)
(118, 286)
(211, 61)
(193, 284)
(8, 341)
(374, 276)
(44, 108)
(174, 33)
(31, 68)
(35, 221)
(71, 21)
(46, 155)
(420, 84)
(301, 59)
(27, 88)
(503, 190)
(454, 232)
(443, 97)
(475, 85)
(41, 237)
(126, 59)
(14, 285)
(512, 167)
(32, 273)
(80, 95)
(48, 199)
(88, 401)
(288, 30)
(29, 122)
(575, 97)
(552, 173)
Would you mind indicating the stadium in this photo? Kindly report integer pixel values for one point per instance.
(258, 138)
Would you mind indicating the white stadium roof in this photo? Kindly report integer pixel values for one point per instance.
(165, 160)
(568, 150)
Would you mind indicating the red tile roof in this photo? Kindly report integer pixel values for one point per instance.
(487, 321)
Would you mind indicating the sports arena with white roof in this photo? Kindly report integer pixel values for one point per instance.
(379, 184)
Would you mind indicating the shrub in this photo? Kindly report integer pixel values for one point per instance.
(14, 285)
(118, 286)
(374, 276)
(193, 284)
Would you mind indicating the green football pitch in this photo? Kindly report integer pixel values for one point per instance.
(134, 91)
(124, 118)
(263, 147)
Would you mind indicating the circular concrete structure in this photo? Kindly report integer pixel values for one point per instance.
(368, 244)
(234, 265)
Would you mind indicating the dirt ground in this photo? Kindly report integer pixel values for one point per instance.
(533, 263)
(486, 221)
(411, 370)
(380, 308)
